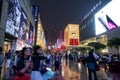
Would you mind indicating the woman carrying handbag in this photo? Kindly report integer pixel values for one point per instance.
(23, 65)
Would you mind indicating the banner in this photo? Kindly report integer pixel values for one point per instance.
(17, 20)
(23, 25)
(73, 42)
(14, 17)
(31, 34)
(35, 11)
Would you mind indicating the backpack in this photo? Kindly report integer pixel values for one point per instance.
(91, 65)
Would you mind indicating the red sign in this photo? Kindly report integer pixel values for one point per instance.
(73, 42)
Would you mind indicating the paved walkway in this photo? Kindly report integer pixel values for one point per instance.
(72, 70)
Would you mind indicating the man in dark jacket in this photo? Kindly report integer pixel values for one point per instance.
(91, 64)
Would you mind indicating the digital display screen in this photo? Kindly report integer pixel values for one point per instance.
(108, 18)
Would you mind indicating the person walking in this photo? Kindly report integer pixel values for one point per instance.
(91, 64)
(16, 59)
(23, 65)
(49, 59)
(8, 60)
(37, 58)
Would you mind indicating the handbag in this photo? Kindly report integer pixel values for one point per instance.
(97, 68)
(21, 76)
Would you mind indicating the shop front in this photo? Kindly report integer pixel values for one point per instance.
(9, 42)
(16, 26)
(20, 44)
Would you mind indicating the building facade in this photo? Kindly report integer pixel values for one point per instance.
(71, 35)
(17, 25)
(87, 25)
(40, 36)
(104, 20)
(101, 39)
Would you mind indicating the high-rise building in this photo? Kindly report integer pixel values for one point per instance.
(71, 35)
(17, 25)
(103, 19)
(40, 38)
(87, 25)
(16, 31)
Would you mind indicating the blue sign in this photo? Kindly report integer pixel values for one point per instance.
(35, 12)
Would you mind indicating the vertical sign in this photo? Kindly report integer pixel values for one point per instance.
(31, 34)
(35, 12)
(23, 26)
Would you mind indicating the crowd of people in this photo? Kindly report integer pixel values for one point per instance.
(29, 64)
(36, 64)
(93, 61)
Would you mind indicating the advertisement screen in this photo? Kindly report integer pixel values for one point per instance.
(23, 24)
(20, 44)
(16, 21)
(108, 18)
(31, 34)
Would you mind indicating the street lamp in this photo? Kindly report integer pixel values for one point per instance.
(53, 46)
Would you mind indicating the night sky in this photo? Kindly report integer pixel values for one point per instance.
(56, 14)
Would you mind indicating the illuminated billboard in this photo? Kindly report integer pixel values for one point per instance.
(31, 34)
(17, 20)
(108, 18)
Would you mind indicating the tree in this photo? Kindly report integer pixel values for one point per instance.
(115, 42)
(97, 45)
(83, 49)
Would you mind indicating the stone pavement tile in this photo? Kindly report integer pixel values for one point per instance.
(102, 75)
(70, 73)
